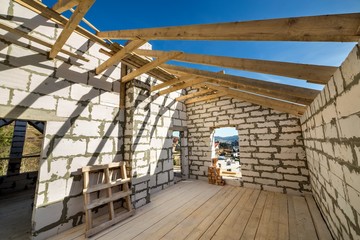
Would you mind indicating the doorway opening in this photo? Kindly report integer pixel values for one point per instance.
(225, 148)
(176, 155)
(21, 143)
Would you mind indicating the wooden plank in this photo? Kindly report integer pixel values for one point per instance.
(337, 28)
(109, 195)
(300, 221)
(263, 101)
(134, 227)
(106, 185)
(171, 194)
(195, 94)
(283, 218)
(181, 86)
(172, 82)
(205, 98)
(248, 84)
(263, 228)
(268, 93)
(175, 226)
(70, 26)
(214, 213)
(157, 62)
(102, 201)
(211, 230)
(229, 229)
(87, 200)
(39, 41)
(254, 220)
(64, 5)
(322, 230)
(116, 58)
(312, 73)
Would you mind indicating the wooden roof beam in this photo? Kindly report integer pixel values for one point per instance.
(282, 91)
(275, 104)
(116, 58)
(330, 28)
(71, 25)
(174, 81)
(181, 86)
(151, 65)
(195, 94)
(64, 5)
(311, 73)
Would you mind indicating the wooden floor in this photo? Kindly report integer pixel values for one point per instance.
(198, 210)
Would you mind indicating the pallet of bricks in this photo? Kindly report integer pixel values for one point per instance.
(214, 176)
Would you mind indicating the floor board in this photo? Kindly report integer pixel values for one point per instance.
(197, 210)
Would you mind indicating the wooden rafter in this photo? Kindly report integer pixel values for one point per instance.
(283, 91)
(64, 5)
(172, 82)
(195, 94)
(205, 98)
(181, 86)
(262, 100)
(82, 8)
(39, 41)
(116, 58)
(338, 28)
(312, 73)
(151, 65)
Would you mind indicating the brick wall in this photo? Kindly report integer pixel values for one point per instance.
(331, 127)
(84, 125)
(271, 146)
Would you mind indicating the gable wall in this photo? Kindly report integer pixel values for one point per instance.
(272, 153)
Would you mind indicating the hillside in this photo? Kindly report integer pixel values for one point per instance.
(228, 139)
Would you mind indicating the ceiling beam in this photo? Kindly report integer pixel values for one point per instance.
(195, 94)
(116, 58)
(312, 73)
(283, 91)
(64, 5)
(275, 104)
(172, 82)
(39, 41)
(151, 65)
(331, 28)
(205, 98)
(181, 86)
(70, 26)
(134, 61)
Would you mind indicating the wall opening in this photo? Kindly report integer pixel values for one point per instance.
(225, 147)
(21, 143)
(176, 155)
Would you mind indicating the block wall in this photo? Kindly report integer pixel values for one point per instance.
(84, 125)
(272, 153)
(331, 128)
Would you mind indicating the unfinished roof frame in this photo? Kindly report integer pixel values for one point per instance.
(281, 97)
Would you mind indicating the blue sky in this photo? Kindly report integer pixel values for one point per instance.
(225, 132)
(117, 15)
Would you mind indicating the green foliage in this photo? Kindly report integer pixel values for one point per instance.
(6, 134)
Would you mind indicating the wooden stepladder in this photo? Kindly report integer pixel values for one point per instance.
(106, 185)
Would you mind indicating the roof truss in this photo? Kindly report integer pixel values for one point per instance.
(195, 94)
(311, 73)
(116, 58)
(151, 65)
(282, 91)
(332, 28)
(172, 82)
(81, 9)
